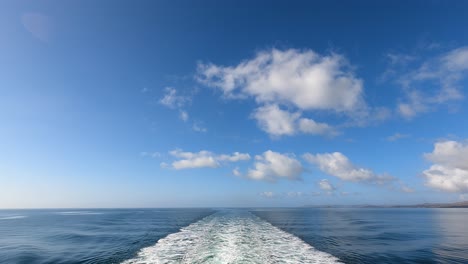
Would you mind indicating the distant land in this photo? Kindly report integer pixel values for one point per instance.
(463, 204)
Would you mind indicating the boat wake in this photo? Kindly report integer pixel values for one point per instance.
(231, 237)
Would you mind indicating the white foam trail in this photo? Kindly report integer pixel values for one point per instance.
(12, 217)
(231, 237)
(79, 213)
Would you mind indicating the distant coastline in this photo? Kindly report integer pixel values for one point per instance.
(463, 204)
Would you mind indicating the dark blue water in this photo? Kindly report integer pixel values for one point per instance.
(86, 236)
(415, 235)
(351, 235)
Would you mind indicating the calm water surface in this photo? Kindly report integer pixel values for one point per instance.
(299, 235)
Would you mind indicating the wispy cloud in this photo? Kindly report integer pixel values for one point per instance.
(151, 154)
(39, 25)
(172, 99)
(282, 195)
(397, 136)
(183, 115)
(400, 58)
(267, 194)
(198, 127)
(435, 81)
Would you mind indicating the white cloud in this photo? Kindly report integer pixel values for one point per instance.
(197, 127)
(406, 189)
(282, 195)
(450, 169)
(190, 160)
(236, 156)
(399, 58)
(309, 126)
(267, 194)
(183, 115)
(436, 81)
(300, 79)
(338, 165)
(203, 159)
(450, 153)
(294, 194)
(151, 154)
(397, 136)
(277, 122)
(172, 100)
(273, 165)
(326, 185)
(236, 172)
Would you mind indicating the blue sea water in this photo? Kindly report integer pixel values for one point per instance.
(289, 235)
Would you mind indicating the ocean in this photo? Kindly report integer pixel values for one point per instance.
(278, 235)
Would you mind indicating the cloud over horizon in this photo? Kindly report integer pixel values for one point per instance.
(449, 171)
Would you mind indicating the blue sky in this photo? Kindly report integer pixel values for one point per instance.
(235, 103)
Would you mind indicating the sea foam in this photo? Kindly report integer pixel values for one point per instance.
(13, 217)
(231, 237)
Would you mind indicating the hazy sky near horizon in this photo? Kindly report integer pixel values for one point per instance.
(232, 103)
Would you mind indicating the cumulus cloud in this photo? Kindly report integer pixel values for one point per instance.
(236, 156)
(271, 166)
(434, 82)
(326, 185)
(338, 165)
(277, 122)
(309, 126)
(301, 79)
(203, 159)
(190, 160)
(449, 171)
